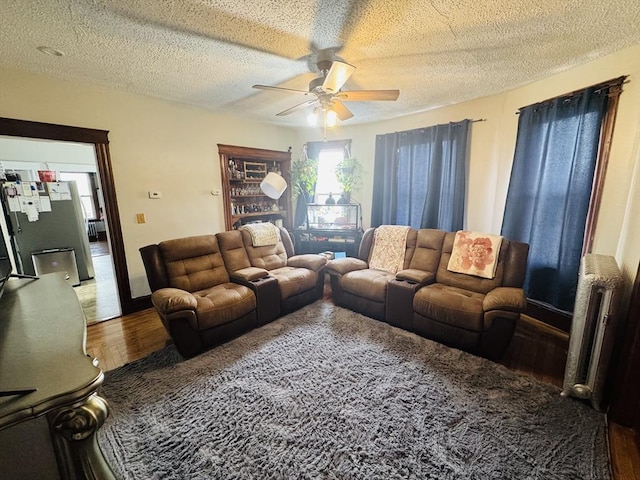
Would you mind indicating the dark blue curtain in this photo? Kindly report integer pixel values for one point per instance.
(385, 181)
(420, 177)
(550, 189)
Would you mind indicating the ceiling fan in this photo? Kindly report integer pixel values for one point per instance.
(326, 93)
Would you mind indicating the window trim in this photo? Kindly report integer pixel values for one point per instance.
(602, 162)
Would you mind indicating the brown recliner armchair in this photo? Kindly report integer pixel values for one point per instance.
(472, 313)
(362, 289)
(300, 277)
(191, 290)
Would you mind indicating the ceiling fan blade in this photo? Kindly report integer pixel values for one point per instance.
(364, 95)
(297, 107)
(341, 110)
(280, 89)
(338, 74)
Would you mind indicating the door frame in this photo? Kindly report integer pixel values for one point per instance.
(99, 138)
(625, 406)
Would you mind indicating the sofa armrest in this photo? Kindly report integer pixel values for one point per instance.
(414, 275)
(170, 300)
(310, 261)
(510, 299)
(267, 293)
(249, 274)
(340, 266)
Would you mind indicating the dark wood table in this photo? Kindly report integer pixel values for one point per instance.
(49, 409)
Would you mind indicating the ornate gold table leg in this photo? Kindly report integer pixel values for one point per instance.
(73, 431)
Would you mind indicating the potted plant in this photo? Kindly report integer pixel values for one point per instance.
(349, 175)
(304, 173)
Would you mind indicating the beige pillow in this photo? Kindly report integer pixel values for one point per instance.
(475, 254)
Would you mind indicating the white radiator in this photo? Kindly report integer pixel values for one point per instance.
(592, 328)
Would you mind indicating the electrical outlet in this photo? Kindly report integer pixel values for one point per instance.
(155, 194)
(140, 218)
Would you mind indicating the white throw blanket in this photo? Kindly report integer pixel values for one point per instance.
(263, 234)
(389, 246)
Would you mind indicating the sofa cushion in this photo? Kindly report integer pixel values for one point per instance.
(475, 254)
(371, 284)
(451, 305)
(233, 251)
(193, 263)
(426, 255)
(267, 257)
(292, 280)
(222, 304)
(340, 266)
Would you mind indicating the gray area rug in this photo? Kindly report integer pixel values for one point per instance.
(328, 393)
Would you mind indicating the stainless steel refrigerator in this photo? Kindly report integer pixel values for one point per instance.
(47, 221)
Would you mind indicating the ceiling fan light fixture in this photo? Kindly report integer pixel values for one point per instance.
(312, 118)
(331, 118)
(327, 94)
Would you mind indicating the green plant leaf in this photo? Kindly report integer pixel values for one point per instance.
(349, 174)
(304, 173)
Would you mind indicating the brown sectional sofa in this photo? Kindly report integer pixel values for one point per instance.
(475, 314)
(208, 289)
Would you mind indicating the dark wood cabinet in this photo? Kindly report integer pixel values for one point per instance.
(49, 407)
(242, 169)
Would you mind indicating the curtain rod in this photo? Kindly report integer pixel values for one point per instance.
(616, 82)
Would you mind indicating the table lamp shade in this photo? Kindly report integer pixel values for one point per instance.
(273, 185)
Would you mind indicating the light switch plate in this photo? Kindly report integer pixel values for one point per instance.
(155, 194)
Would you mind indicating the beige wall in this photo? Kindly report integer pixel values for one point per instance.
(157, 145)
(492, 144)
(154, 145)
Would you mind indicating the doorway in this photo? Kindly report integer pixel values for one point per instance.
(100, 142)
(79, 227)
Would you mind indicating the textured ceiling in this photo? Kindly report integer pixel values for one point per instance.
(210, 53)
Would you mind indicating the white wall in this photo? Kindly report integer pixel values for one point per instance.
(154, 145)
(492, 144)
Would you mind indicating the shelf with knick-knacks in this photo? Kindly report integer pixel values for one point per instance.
(242, 170)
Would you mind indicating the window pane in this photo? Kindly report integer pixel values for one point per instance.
(327, 182)
(81, 179)
(87, 203)
(83, 182)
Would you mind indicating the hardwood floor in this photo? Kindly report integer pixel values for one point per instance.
(125, 339)
(99, 295)
(537, 350)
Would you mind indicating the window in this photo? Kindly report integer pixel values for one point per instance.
(327, 183)
(420, 177)
(85, 190)
(551, 202)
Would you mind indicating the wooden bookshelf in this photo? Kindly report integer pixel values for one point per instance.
(242, 169)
